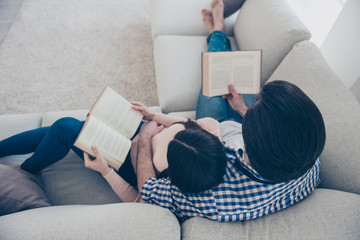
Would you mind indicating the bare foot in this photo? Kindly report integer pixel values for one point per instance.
(208, 19)
(217, 9)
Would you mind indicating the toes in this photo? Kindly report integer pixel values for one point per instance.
(214, 3)
(206, 12)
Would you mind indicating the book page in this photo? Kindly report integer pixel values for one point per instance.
(116, 111)
(113, 146)
(246, 67)
(219, 75)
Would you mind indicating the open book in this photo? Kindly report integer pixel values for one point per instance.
(110, 125)
(242, 69)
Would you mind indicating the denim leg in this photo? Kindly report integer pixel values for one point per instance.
(217, 107)
(22, 143)
(54, 146)
(217, 41)
(214, 107)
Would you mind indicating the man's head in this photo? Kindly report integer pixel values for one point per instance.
(284, 132)
(197, 160)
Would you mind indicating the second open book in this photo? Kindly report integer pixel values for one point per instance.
(242, 69)
(110, 125)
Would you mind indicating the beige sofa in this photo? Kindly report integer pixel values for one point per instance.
(84, 206)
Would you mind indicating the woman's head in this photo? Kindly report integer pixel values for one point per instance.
(196, 158)
(284, 132)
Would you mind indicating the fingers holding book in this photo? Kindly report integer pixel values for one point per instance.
(148, 115)
(236, 100)
(98, 164)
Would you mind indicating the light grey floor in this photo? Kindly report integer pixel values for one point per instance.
(8, 11)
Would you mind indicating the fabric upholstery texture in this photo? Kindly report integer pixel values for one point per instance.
(70, 182)
(340, 160)
(271, 26)
(325, 214)
(112, 221)
(187, 114)
(50, 117)
(19, 123)
(168, 18)
(20, 191)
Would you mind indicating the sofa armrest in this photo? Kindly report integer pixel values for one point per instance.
(111, 221)
(11, 124)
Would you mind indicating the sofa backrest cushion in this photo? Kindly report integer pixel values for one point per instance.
(271, 26)
(340, 160)
(173, 17)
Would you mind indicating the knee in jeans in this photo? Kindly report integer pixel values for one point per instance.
(68, 126)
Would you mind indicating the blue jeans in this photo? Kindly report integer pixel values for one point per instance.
(217, 107)
(51, 144)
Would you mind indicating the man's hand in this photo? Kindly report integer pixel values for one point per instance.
(236, 101)
(99, 164)
(150, 129)
(148, 115)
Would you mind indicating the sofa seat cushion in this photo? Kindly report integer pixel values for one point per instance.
(178, 70)
(325, 214)
(11, 124)
(20, 191)
(70, 182)
(111, 221)
(340, 160)
(270, 26)
(169, 17)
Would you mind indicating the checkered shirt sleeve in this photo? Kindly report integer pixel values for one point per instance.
(236, 198)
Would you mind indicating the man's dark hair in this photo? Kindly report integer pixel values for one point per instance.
(284, 132)
(197, 159)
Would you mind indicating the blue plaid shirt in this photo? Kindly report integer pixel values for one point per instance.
(236, 198)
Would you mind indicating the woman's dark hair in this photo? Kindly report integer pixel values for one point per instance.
(197, 159)
(284, 132)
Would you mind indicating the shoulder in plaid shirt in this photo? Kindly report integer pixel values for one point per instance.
(236, 198)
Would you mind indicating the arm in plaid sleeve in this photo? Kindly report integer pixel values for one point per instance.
(158, 192)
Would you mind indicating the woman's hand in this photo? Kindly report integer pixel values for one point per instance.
(148, 115)
(99, 164)
(236, 101)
